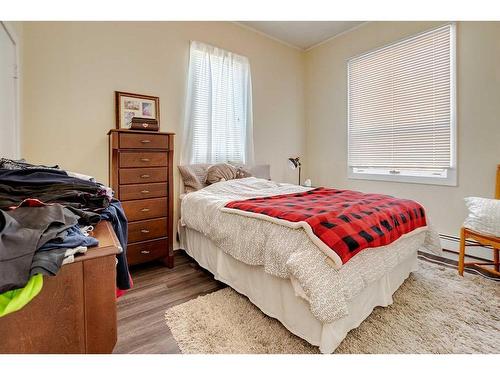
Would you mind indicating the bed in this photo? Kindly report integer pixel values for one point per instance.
(283, 272)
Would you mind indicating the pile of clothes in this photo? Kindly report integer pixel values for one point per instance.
(46, 215)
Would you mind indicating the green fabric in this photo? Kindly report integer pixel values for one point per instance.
(16, 299)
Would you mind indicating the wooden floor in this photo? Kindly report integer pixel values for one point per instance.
(141, 324)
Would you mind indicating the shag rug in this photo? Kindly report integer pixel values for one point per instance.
(434, 311)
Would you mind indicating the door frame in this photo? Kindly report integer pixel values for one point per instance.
(17, 111)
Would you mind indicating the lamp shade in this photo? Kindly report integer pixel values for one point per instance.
(294, 163)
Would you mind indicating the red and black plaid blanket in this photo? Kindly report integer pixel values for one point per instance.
(344, 221)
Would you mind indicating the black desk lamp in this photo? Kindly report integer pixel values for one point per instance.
(294, 163)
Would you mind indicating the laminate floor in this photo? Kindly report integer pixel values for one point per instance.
(141, 324)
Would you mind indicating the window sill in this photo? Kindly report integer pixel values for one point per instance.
(449, 180)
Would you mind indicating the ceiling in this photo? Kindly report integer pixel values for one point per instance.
(301, 34)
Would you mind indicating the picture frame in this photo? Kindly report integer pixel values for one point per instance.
(129, 105)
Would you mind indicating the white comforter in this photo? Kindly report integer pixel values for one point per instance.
(289, 253)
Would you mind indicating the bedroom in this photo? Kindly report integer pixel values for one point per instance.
(258, 94)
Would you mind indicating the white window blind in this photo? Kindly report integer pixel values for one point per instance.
(401, 106)
(218, 107)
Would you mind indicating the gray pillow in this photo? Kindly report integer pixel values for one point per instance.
(221, 172)
(194, 176)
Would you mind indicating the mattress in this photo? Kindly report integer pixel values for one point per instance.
(279, 298)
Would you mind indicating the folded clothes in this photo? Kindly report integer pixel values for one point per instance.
(22, 232)
(80, 176)
(50, 186)
(49, 262)
(22, 164)
(72, 252)
(39, 176)
(81, 202)
(86, 217)
(72, 237)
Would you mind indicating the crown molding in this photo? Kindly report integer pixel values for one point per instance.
(250, 28)
(336, 36)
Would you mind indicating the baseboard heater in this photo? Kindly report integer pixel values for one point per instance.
(474, 250)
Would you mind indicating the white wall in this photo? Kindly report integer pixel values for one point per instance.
(478, 76)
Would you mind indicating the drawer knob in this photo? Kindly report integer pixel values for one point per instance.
(145, 251)
(145, 176)
(145, 210)
(145, 160)
(145, 191)
(144, 231)
(145, 141)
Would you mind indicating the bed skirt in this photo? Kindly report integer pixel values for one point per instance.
(277, 298)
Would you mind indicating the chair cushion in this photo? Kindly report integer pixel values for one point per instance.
(484, 215)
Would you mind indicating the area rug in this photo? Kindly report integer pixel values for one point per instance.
(434, 311)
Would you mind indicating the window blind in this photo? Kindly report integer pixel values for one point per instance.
(400, 104)
(218, 107)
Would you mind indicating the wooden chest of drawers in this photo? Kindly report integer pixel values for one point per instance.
(141, 175)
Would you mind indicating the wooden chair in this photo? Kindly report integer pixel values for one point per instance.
(483, 240)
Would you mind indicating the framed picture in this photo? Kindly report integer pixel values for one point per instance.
(130, 105)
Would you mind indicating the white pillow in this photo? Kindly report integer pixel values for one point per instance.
(484, 215)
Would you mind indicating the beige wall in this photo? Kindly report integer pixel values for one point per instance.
(72, 69)
(17, 29)
(478, 76)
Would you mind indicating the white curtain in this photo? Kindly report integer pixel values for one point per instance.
(218, 120)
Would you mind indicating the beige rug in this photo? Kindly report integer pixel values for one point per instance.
(434, 311)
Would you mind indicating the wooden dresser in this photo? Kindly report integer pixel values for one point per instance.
(75, 311)
(141, 175)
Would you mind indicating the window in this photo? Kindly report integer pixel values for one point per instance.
(401, 124)
(218, 124)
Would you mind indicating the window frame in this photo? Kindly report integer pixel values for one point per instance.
(450, 178)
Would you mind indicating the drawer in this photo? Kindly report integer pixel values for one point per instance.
(147, 251)
(142, 175)
(145, 209)
(143, 141)
(141, 191)
(147, 229)
(143, 159)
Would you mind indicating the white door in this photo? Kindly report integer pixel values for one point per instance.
(9, 141)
